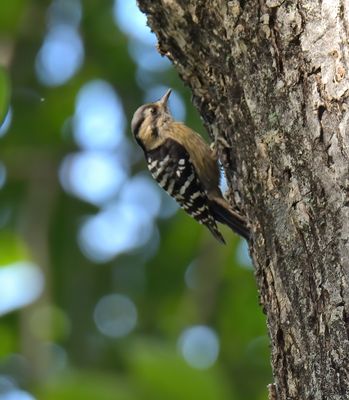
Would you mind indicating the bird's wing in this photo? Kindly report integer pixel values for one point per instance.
(171, 166)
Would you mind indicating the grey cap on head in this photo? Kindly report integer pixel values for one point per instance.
(138, 116)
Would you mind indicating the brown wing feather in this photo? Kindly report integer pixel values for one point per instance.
(200, 154)
(171, 167)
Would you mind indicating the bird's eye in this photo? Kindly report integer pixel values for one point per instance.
(153, 110)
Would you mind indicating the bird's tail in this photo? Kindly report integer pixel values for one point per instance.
(224, 214)
(215, 232)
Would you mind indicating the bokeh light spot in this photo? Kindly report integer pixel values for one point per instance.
(243, 256)
(6, 123)
(60, 56)
(133, 22)
(99, 120)
(169, 206)
(142, 192)
(115, 315)
(223, 184)
(92, 176)
(141, 41)
(58, 357)
(21, 283)
(191, 275)
(176, 102)
(147, 58)
(199, 346)
(67, 12)
(16, 367)
(6, 384)
(48, 322)
(16, 394)
(115, 230)
(3, 174)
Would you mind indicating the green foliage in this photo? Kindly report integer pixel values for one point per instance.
(13, 248)
(86, 386)
(162, 373)
(4, 94)
(10, 15)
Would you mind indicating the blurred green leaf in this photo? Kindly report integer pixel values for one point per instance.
(74, 385)
(58, 328)
(10, 15)
(8, 340)
(163, 374)
(12, 248)
(4, 94)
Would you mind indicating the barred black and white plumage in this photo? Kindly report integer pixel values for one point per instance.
(185, 166)
(171, 167)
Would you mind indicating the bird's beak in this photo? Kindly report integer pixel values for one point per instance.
(164, 99)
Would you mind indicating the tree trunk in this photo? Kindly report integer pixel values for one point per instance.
(270, 79)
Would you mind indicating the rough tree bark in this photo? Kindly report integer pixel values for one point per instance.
(271, 78)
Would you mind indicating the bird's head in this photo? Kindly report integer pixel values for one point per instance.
(149, 121)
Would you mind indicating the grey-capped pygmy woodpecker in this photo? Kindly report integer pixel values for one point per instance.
(185, 166)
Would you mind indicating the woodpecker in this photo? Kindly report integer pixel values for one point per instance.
(185, 166)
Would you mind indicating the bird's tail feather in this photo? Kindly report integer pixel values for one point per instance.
(215, 232)
(224, 214)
